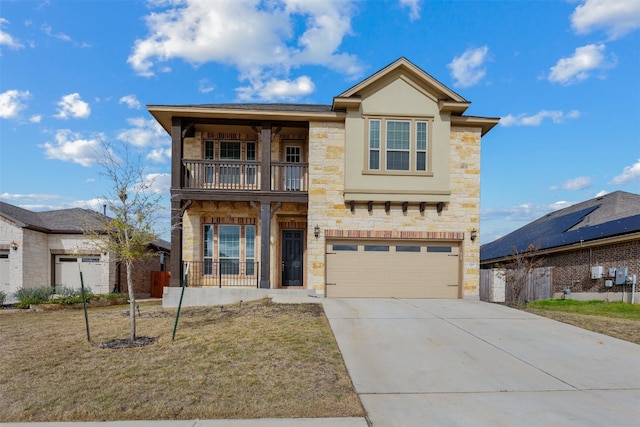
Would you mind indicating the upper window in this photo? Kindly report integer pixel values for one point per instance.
(398, 145)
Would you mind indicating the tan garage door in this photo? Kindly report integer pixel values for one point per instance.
(385, 269)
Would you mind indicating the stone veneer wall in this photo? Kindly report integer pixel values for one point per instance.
(219, 212)
(328, 210)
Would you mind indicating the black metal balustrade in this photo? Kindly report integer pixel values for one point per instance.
(222, 273)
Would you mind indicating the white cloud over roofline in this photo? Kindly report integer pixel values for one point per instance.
(579, 183)
(256, 37)
(580, 65)
(468, 69)
(72, 106)
(629, 173)
(7, 39)
(414, 8)
(12, 102)
(615, 17)
(72, 147)
(555, 116)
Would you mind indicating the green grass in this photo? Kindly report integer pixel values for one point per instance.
(620, 310)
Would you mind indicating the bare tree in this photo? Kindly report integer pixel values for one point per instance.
(518, 269)
(135, 211)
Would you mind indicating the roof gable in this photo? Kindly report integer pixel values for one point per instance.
(413, 75)
(58, 221)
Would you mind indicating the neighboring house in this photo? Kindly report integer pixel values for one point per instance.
(375, 195)
(583, 243)
(49, 249)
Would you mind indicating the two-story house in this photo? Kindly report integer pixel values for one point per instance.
(375, 195)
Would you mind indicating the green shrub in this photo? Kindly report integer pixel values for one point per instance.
(28, 296)
(3, 297)
(67, 291)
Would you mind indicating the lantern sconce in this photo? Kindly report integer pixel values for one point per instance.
(474, 235)
(316, 231)
(14, 245)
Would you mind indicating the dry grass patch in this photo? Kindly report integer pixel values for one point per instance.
(253, 360)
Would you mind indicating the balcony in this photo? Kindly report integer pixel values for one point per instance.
(243, 175)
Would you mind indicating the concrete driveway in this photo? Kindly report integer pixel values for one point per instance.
(469, 363)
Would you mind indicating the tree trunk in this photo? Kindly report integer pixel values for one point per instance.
(132, 301)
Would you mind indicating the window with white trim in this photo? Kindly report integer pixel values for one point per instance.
(398, 145)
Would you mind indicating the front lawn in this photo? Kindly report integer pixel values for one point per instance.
(617, 319)
(253, 360)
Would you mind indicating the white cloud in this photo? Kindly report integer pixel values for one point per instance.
(579, 183)
(526, 212)
(578, 67)
(616, 17)
(277, 89)
(11, 103)
(536, 119)
(601, 193)
(36, 118)
(49, 31)
(159, 155)
(158, 183)
(30, 196)
(467, 69)
(131, 101)
(7, 39)
(205, 86)
(72, 147)
(193, 31)
(144, 133)
(629, 173)
(414, 8)
(71, 106)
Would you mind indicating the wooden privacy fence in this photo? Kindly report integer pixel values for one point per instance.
(159, 279)
(512, 286)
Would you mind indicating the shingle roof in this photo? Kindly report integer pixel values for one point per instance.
(614, 214)
(59, 221)
(322, 108)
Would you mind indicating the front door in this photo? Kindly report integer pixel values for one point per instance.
(292, 257)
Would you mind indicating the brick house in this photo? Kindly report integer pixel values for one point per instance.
(375, 195)
(584, 244)
(49, 249)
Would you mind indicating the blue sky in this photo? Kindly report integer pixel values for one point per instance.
(563, 76)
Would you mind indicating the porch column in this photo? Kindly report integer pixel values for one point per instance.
(175, 263)
(265, 207)
(265, 245)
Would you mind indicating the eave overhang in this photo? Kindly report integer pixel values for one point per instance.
(164, 114)
(484, 123)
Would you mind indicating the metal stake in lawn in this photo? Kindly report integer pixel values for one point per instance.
(84, 304)
(184, 283)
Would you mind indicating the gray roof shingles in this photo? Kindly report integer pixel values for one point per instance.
(73, 220)
(611, 215)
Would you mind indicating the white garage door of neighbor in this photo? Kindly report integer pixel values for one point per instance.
(68, 267)
(385, 269)
(5, 286)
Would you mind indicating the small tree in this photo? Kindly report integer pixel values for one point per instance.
(128, 234)
(519, 268)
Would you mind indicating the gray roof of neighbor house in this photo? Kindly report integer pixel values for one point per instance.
(265, 107)
(611, 215)
(73, 220)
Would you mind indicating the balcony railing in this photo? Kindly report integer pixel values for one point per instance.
(222, 273)
(222, 175)
(289, 176)
(243, 175)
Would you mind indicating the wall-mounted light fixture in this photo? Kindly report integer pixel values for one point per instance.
(316, 231)
(474, 235)
(14, 245)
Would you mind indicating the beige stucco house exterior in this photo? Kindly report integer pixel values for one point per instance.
(375, 195)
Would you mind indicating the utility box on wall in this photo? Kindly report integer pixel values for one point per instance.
(621, 275)
(597, 272)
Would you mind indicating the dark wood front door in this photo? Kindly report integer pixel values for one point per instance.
(292, 257)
